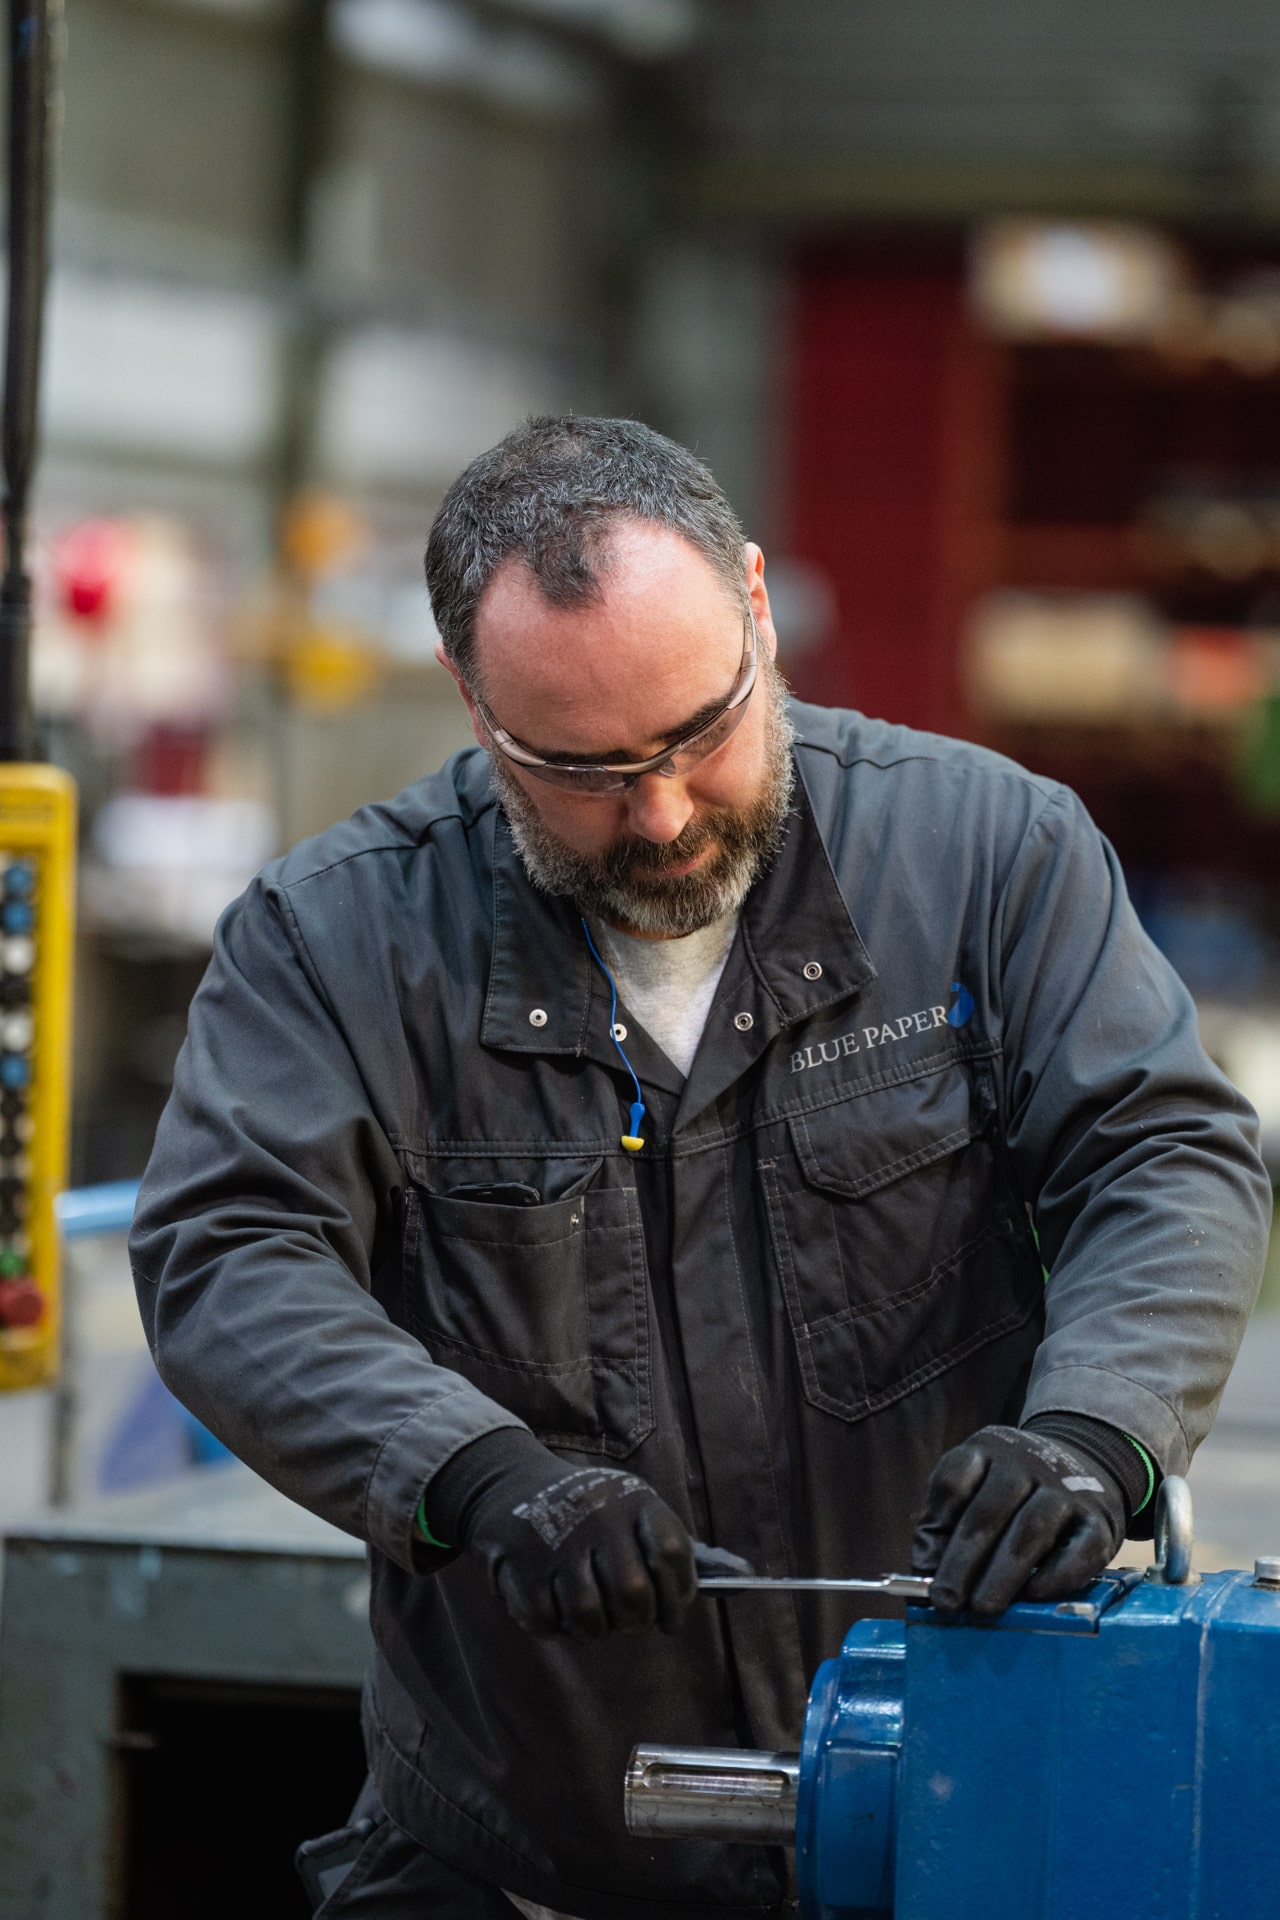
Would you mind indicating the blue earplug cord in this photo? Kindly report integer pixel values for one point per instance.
(631, 1141)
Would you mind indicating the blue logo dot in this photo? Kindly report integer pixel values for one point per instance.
(960, 1011)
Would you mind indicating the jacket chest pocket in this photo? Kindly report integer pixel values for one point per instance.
(898, 1245)
(544, 1308)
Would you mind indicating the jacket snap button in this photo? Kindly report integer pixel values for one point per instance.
(537, 1018)
(812, 970)
(619, 1032)
(743, 1022)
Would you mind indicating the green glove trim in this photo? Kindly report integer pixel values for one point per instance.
(1145, 1458)
(429, 1537)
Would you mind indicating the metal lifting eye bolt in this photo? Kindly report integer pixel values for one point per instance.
(1174, 1533)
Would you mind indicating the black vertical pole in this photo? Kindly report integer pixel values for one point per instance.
(29, 74)
(305, 132)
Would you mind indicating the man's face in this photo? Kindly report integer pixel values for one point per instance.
(619, 680)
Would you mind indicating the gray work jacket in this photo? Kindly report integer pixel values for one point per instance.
(942, 1058)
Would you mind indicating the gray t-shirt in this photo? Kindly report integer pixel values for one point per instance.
(669, 984)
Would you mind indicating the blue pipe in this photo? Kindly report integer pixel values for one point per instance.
(104, 1209)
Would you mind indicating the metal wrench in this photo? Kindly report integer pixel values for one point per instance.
(905, 1586)
(721, 1572)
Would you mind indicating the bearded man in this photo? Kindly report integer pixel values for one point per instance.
(687, 1116)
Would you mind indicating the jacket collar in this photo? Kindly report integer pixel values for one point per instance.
(798, 950)
(540, 985)
(799, 934)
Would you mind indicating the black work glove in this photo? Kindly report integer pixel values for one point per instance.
(1017, 1514)
(579, 1550)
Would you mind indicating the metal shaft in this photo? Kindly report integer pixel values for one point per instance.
(713, 1793)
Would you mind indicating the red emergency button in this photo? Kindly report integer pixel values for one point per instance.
(21, 1303)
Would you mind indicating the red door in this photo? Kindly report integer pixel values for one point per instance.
(893, 436)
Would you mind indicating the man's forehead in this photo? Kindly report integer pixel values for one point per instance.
(633, 561)
(637, 662)
(655, 594)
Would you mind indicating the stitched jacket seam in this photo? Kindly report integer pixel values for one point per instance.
(1091, 1366)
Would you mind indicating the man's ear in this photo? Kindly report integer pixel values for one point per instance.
(759, 596)
(477, 724)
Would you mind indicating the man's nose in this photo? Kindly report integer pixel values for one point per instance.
(659, 807)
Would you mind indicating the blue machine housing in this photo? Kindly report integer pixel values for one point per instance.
(1117, 1753)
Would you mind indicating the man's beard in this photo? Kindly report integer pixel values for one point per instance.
(631, 884)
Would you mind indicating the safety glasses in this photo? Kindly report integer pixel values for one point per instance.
(683, 755)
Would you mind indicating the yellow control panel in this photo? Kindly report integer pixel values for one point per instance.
(37, 910)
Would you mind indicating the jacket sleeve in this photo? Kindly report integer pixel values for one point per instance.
(1140, 1159)
(267, 1224)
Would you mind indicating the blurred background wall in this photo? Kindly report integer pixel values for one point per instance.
(976, 314)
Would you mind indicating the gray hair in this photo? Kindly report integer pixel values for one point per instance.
(549, 492)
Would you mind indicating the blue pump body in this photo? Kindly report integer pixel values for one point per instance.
(1116, 1754)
